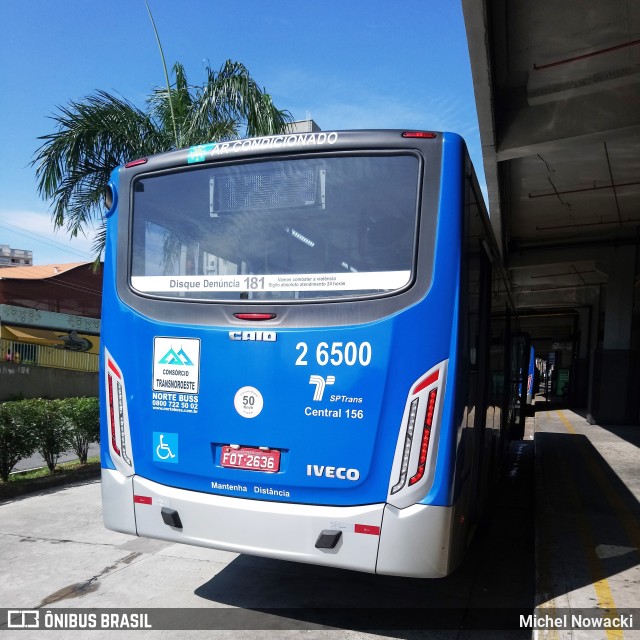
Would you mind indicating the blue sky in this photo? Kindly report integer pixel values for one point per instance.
(345, 63)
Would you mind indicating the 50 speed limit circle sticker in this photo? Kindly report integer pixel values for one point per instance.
(248, 402)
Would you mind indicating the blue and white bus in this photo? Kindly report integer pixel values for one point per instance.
(305, 350)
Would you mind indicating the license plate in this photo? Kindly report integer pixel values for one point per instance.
(250, 459)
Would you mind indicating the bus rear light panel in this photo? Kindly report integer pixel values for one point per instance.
(410, 477)
(426, 434)
(406, 451)
(427, 135)
(121, 424)
(117, 417)
(112, 419)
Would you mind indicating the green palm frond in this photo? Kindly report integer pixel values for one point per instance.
(99, 242)
(174, 107)
(232, 95)
(95, 135)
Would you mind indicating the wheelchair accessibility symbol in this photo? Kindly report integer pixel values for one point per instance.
(165, 447)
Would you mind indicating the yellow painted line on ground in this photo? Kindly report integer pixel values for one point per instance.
(546, 604)
(566, 423)
(545, 578)
(600, 583)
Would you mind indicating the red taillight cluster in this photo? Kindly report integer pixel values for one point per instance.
(256, 317)
(117, 417)
(135, 163)
(426, 435)
(421, 408)
(112, 419)
(429, 135)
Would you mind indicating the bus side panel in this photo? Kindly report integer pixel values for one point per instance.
(446, 290)
(110, 313)
(466, 451)
(116, 487)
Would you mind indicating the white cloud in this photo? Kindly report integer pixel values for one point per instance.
(334, 105)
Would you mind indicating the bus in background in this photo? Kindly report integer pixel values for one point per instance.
(531, 377)
(306, 350)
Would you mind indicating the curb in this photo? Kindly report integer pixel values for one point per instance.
(11, 490)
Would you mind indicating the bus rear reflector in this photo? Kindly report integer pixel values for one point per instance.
(367, 528)
(143, 499)
(427, 382)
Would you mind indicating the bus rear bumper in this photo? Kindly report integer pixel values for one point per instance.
(256, 527)
(410, 542)
(416, 542)
(117, 501)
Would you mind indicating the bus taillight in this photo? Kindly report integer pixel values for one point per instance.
(135, 163)
(117, 417)
(426, 435)
(406, 452)
(419, 134)
(112, 420)
(412, 450)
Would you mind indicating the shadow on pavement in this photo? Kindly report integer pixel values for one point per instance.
(492, 587)
(589, 521)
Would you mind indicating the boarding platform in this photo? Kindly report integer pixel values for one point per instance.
(587, 515)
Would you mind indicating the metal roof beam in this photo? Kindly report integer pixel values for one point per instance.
(540, 128)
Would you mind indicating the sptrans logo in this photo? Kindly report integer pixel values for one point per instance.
(176, 364)
(320, 384)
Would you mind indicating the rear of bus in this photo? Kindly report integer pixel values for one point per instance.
(280, 331)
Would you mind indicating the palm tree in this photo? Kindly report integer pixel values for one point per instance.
(102, 131)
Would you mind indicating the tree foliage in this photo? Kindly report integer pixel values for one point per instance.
(52, 431)
(83, 417)
(50, 427)
(17, 438)
(97, 134)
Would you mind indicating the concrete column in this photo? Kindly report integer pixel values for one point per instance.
(593, 347)
(619, 303)
(584, 328)
(580, 371)
(615, 397)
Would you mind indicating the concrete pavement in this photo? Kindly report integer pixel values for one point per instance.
(56, 556)
(587, 520)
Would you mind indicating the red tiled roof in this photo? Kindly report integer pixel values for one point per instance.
(40, 272)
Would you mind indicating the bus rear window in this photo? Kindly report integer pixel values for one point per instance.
(308, 228)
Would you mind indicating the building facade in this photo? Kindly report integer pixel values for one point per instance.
(15, 257)
(49, 330)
